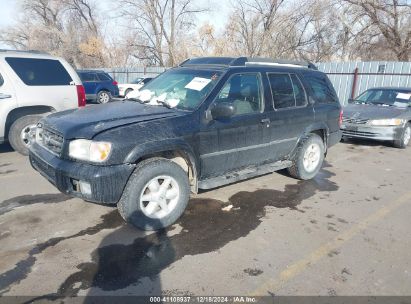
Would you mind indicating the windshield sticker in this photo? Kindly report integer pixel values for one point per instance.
(198, 83)
(405, 96)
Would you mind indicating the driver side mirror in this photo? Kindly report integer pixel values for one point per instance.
(223, 110)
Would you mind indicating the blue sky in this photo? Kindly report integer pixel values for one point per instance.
(217, 17)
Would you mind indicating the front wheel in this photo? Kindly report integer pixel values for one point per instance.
(23, 133)
(403, 142)
(156, 194)
(309, 158)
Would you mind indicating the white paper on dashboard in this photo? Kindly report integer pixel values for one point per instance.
(173, 102)
(145, 95)
(405, 96)
(198, 83)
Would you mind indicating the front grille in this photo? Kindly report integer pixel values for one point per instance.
(358, 133)
(357, 121)
(51, 140)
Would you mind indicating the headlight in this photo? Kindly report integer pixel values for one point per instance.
(94, 151)
(39, 133)
(386, 122)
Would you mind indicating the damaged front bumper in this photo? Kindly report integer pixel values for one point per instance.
(100, 184)
(372, 132)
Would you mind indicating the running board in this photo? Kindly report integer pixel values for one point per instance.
(246, 173)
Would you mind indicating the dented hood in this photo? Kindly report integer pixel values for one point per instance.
(89, 121)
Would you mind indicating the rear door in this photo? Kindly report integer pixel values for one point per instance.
(291, 114)
(106, 83)
(327, 106)
(40, 81)
(89, 80)
(240, 141)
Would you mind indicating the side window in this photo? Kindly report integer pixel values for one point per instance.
(39, 72)
(87, 77)
(299, 92)
(103, 77)
(322, 88)
(244, 91)
(282, 90)
(1, 80)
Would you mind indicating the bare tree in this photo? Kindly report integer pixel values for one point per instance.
(385, 24)
(54, 26)
(160, 26)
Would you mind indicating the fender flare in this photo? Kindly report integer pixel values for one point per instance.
(163, 146)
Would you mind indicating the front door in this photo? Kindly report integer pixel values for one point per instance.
(241, 140)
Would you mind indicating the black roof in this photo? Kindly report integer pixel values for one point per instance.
(245, 61)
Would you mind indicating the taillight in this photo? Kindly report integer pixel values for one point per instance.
(81, 95)
(115, 82)
(341, 118)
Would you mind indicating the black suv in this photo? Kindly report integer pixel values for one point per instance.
(206, 123)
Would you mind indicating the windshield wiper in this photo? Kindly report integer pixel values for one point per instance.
(138, 100)
(357, 101)
(382, 103)
(164, 103)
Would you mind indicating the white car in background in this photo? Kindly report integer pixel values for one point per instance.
(32, 85)
(135, 85)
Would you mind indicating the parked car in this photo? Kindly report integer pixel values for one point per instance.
(380, 114)
(204, 124)
(135, 85)
(33, 85)
(99, 85)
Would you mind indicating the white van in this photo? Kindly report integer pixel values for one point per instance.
(32, 85)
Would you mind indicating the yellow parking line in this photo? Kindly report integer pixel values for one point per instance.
(293, 270)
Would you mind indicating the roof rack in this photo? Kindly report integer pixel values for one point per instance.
(24, 51)
(246, 61)
(90, 70)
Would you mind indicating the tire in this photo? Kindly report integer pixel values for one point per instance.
(135, 209)
(127, 91)
(307, 169)
(22, 133)
(404, 141)
(103, 97)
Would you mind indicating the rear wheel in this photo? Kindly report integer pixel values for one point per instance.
(156, 194)
(309, 158)
(404, 141)
(103, 97)
(23, 133)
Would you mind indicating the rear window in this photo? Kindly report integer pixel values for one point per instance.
(322, 88)
(39, 72)
(103, 77)
(287, 91)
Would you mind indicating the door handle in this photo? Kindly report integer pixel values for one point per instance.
(4, 96)
(266, 121)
